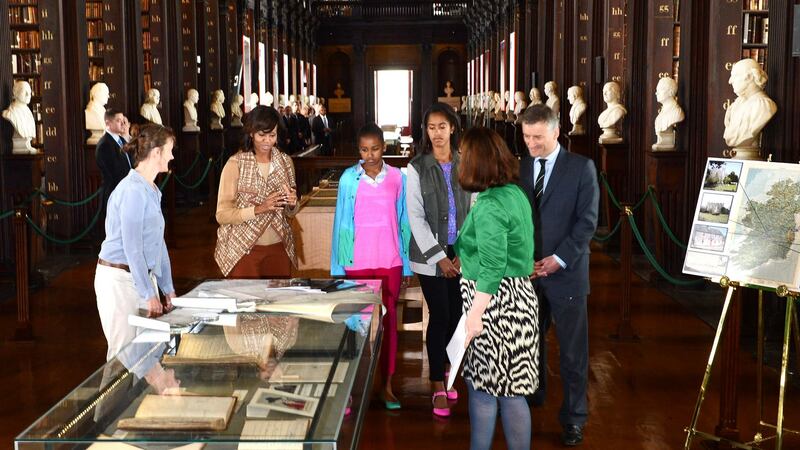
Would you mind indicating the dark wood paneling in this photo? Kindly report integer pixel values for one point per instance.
(725, 49)
(117, 57)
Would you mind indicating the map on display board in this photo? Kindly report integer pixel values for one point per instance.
(747, 224)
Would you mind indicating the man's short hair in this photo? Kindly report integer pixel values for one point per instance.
(110, 114)
(539, 114)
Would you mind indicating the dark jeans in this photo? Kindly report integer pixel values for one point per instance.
(444, 304)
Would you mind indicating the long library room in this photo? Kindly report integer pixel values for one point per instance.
(590, 234)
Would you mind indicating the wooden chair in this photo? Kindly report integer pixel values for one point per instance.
(411, 297)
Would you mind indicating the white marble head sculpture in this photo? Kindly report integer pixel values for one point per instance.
(750, 112)
(21, 118)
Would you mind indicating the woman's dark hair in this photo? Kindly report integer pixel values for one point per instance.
(262, 118)
(145, 139)
(485, 161)
(370, 129)
(447, 111)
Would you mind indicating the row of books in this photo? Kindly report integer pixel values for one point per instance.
(759, 54)
(145, 21)
(148, 62)
(26, 63)
(676, 40)
(20, 2)
(25, 39)
(148, 81)
(95, 49)
(755, 29)
(146, 40)
(96, 72)
(94, 29)
(94, 10)
(756, 4)
(22, 15)
(145, 6)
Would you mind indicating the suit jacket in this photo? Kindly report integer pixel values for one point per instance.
(318, 129)
(113, 163)
(565, 222)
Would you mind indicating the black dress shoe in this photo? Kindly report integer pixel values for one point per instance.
(572, 435)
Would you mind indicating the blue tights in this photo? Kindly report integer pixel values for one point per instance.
(514, 413)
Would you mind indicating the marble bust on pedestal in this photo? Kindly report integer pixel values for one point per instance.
(612, 116)
(553, 102)
(236, 111)
(190, 111)
(519, 105)
(448, 89)
(339, 91)
(750, 112)
(670, 114)
(149, 110)
(21, 118)
(95, 112)
(217, 110)
(577, 110)
(535, 96)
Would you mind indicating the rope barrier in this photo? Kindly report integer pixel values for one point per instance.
(191, 166)
(69, 203)
(6, 214)
(200, 181)
(164, 182)
(610, 192)
(73, 240)
(663, 221)
(655, 263)
(608, 236)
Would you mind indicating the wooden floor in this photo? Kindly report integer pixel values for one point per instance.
(641, 394)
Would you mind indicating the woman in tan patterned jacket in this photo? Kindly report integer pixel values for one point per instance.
(256, 197)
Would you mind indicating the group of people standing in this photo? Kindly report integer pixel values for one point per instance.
(303, 126)
(502, 241)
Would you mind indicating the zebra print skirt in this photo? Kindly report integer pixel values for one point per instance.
(503, 360)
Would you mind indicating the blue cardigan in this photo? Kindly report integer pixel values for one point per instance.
(344, 226)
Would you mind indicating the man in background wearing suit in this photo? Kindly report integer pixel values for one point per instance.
(321, 129)
(564, 195)
(113, 162)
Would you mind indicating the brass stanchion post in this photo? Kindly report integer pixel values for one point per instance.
(24, 331)
(625, 331)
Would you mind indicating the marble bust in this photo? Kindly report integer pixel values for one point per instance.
(236, 111)
(149, 110)
(190, 111)
(252, 101)
(339, 91)
(535, 96)
(612, 116)
(463, 103)
(21, 118)
(498, 106)
(671, 113)
(519, 104)
(217, 109)
(95, 112)
(448, 89)
(553, 102)
(506, 101)
(750, 112)
(577, 110)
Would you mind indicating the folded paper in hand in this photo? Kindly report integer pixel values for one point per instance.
(456, 350)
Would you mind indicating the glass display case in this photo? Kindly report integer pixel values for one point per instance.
(241, 380)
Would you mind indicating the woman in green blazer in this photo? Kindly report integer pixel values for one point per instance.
(495, 246)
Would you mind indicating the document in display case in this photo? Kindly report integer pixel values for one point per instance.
(263, 380)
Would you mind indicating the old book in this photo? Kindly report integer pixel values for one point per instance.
(320, 307)
(168, 412)
(215, 349)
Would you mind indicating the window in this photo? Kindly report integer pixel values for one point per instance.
(393, 97)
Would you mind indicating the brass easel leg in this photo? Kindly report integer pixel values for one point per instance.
(702, 394)
(787, 331)
(760, 356)
(796, 334)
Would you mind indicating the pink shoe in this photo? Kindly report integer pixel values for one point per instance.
(441, 412)
(452, 394)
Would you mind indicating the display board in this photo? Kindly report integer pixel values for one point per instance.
(747, 224)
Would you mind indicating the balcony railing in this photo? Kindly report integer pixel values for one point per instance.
(392, 9)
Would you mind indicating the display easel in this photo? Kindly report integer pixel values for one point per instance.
(789, 322)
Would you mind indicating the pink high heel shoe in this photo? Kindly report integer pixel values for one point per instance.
(441, 412)
(452, 394)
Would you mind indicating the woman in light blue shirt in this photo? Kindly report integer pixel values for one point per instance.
(133, 263)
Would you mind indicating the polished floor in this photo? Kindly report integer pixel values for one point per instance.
(641, 394)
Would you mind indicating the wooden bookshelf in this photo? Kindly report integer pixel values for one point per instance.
(676, 39)
(94, 39)
(26, 56)
(147, 55)
(755, 30)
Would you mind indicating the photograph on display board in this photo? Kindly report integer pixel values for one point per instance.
(715, 207)
(761, 244)
(705, 264)
(708, 237)
(722, 175)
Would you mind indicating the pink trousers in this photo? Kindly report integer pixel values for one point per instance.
(390, 289)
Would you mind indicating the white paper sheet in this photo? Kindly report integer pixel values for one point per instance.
(456, 350)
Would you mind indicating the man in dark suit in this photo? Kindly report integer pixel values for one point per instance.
(321, 129)
(113, 162)
(564, 195)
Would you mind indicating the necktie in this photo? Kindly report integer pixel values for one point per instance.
(538, 186)
(325, 121)
(120, 141)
